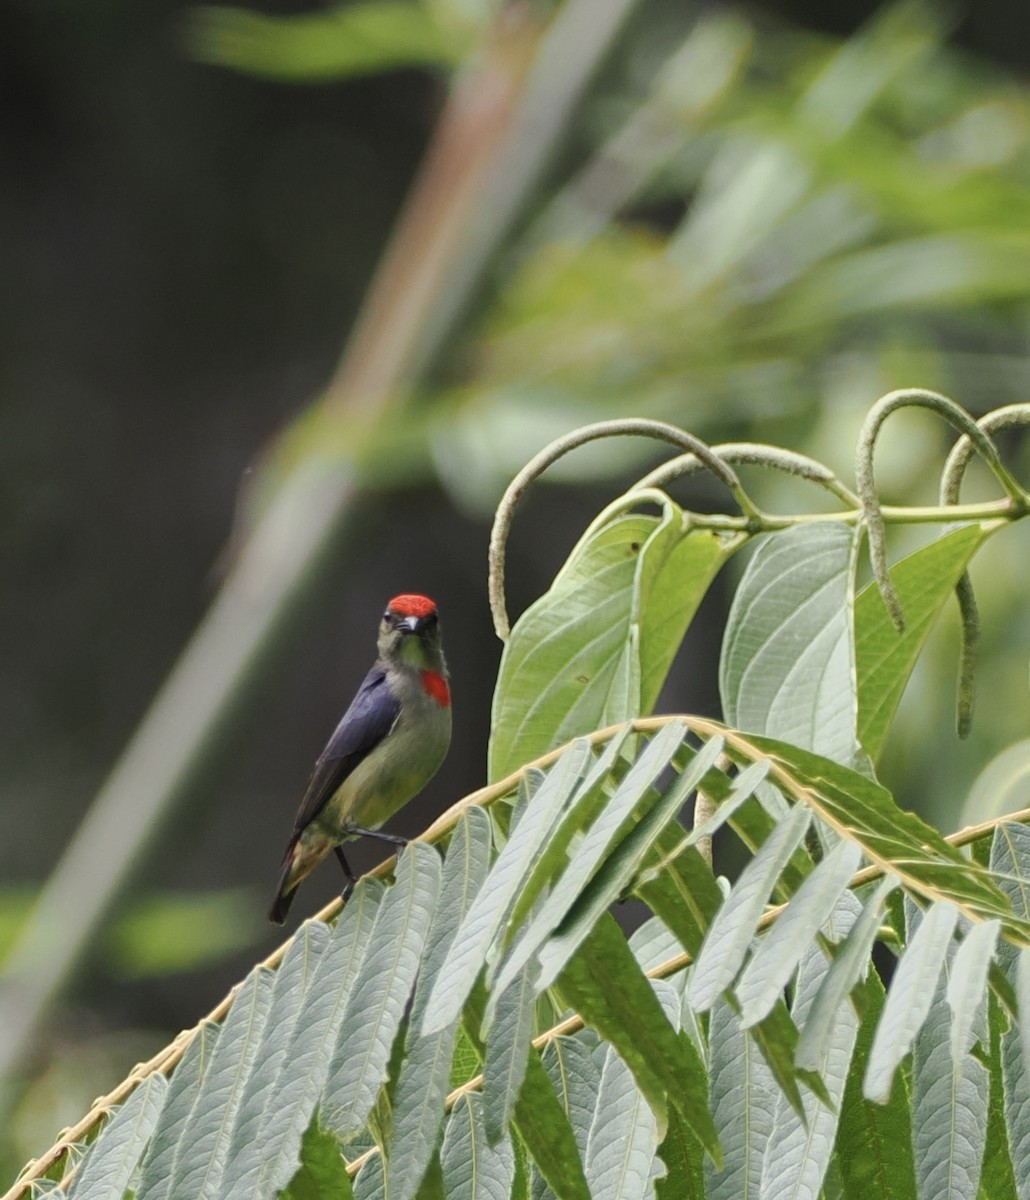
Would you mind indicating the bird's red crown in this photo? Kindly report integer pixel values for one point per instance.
(412, 605)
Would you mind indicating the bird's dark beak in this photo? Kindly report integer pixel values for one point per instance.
(411, 624)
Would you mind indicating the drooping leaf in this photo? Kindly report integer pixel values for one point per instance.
(291, 981)
(473, 1168)
(781, 949)
(909, 998)
(998, 1179)
(182, 1089)
(621, 1144)
(487, 913)
(788, 662)
(594, 650)
(105, 1172)
(605, 985)
(743, 1100)
(949, 1107)
(802, 1143)
(684, 1177)
(967, 986)
(576, 1077)
(507, 1052)
(301, 1059)
(885, 658)
(418, 1101)
(734, 925)
(359, 1062)
(204, 1141)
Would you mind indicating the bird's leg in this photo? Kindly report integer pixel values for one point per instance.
(349, 886)
(393, 838)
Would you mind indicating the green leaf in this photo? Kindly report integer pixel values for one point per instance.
(620, 1148)
(967, 985)
(288, 995)
(352, 39)
(204, 1140)
(422, 1086)
(507, 1052)
(576, 1077)
(803, 1142)
(473, 1168)
(949, 1106)
(743, 1100)
(594, 650)
(729, 936)
(544, 1128)
(606, 986)
(874, 1141)
(685, 894)
(850, 964)
(182, 1089)
(488, 911)
(322, 1173)
(895, 839)
(381, 991)
(299, 1050)
(590, 885)
(998, 1181)
(788, 664)
(780, 950)
(110, 1161)
(684, 1177)
(909, 998)
(885, 658)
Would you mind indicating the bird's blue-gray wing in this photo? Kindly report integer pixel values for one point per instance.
(363, 726)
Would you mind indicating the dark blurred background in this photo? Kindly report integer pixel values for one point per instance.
(186, 247)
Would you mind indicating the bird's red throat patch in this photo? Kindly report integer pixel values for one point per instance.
(412, 605)
(436, 686)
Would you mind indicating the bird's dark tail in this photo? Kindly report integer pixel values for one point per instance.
(284, 894)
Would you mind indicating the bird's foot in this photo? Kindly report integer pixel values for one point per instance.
(392, 838)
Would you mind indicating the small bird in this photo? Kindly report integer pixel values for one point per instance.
(389, 744)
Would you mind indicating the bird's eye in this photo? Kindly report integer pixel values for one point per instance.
(387, 615)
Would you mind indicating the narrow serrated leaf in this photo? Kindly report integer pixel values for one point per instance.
(472, 1168)
(909, 998)
(605, 985)
(291, 981)
(615, 876)
(182, 1089)
(507, 1052)
(622, 1139)
(418, 1101)
(545, 1130)
(486, 916)
(108, 1165)
(381, 991)
(576, 1077)
(204, 1142)
(744, 787)
(743, 1100)
(731, 931)
(967, 985)
(301, 1070)
(849, 966)
(803, 1142)
(949, 1107)
(780, 950)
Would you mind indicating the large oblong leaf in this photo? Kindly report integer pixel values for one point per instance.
(595, 648)
(105, 1172)
(788, 661)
